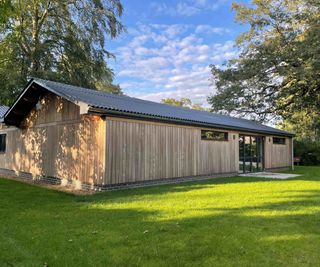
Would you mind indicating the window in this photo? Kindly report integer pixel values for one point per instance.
(213, 135)
(2, 143)
(279, 140)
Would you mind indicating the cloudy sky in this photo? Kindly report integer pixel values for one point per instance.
(169, 46)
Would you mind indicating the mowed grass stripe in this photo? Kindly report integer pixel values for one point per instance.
(239, 221)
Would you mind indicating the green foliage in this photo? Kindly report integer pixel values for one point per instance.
(183, 102)
(6, 9)
(278, 69)
(306, 126)
(59, 40)
(238, 221)
(308, 151)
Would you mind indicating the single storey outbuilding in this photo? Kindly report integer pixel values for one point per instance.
(67, 134)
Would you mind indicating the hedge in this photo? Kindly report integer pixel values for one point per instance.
(308, 151)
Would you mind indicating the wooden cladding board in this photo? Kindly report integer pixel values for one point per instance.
(276, 155)
(53, 109)
(140, 151)
(58, 142)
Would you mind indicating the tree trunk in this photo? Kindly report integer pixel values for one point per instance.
(35, 64)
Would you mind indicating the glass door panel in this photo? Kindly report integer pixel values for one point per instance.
(250, 153)
(241, 153)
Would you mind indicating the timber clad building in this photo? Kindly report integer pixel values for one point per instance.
(92, 139)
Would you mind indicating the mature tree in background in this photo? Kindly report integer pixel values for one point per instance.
(307, 139)
(62, 40)
(183, 102)
(278, 70)
(305, 126)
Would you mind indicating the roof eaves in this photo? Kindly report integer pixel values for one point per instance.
(19, 97)
(185, 121)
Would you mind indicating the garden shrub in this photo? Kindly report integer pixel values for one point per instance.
(308, 151)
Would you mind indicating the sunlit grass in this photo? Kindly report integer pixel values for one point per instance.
(240, 221)
(287, 237)
(215, 199)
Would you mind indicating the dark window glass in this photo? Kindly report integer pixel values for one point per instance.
(250, 153)
(213, 135)
(279, 140)
(2, 143)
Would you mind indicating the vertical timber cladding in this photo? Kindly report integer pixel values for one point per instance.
(57, 141)
(140, 151)
(278, 155)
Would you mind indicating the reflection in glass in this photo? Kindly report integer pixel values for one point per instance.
(241, 153)
(250, 153)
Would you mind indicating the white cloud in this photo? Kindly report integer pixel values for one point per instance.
(164, 61)
(207, 29)
(171, 30)
(187, 7)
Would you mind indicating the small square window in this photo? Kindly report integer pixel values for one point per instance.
(3, 143)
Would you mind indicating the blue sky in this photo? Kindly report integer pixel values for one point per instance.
(169, 46)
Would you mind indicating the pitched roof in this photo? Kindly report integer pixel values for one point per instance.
(137, 107)
(3, 110)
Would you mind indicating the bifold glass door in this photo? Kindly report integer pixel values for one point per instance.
(250, 153)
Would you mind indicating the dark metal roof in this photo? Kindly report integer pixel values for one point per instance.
(130, 106)
(3, 110)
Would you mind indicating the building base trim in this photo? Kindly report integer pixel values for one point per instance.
(77, 185)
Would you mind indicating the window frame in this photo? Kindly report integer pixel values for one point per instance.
(3, 143)
(225, 139)
(278, 138)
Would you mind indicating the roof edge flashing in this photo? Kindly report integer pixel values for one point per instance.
(185, 122)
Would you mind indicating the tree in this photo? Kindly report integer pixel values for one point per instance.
(62, 40)
(307, 139)
(6, 9)
(182, 102)
(305, 126)
(277, 72)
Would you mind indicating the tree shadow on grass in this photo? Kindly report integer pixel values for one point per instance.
(60, 230)
(238, 236)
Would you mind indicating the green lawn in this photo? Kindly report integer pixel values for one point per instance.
(222, 222)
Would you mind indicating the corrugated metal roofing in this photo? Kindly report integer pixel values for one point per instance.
(134, 106)
(3, 110)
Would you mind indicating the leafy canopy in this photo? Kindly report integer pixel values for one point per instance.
(62, 40)
(278, 70)
(305, 126)
(183, 102)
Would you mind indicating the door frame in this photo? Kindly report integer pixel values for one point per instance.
(260, 159)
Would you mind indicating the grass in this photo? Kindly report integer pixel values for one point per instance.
(224, 222)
